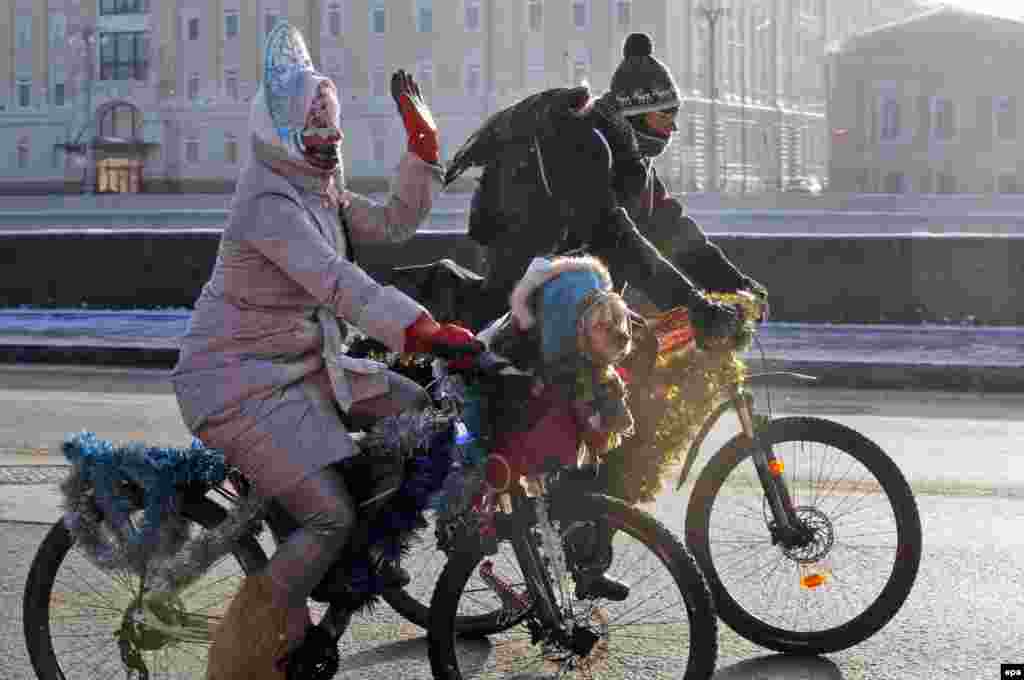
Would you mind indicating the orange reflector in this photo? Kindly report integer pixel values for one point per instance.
(812, 580)
(815, 575)
(776, 466)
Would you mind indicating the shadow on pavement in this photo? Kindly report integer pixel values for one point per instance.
(474, 655)
(385, 653)
(781, 667)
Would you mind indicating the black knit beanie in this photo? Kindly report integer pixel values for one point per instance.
(641, 83)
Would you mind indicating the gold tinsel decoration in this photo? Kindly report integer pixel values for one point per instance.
(688, 384)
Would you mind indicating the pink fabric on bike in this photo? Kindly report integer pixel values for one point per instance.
(556, 434)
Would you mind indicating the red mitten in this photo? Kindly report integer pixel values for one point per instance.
(425, 334)
(419, 335)
(419, 123)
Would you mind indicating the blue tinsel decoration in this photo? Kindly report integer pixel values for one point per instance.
(157, 471)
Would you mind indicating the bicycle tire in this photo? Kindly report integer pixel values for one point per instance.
(665, 549)
(51, 555)
(889, 479)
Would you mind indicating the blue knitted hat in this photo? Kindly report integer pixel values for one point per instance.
(561, 304)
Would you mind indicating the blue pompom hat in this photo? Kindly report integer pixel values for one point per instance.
(562, 284)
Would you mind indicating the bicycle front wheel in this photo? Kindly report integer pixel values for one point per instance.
(666, 628)
(843, 586)
(78, 618)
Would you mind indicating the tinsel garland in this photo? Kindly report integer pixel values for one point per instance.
(171, 573)
(109, 483)
(424, 440)
(693, 383)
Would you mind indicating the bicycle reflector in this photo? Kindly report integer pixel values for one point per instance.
(814, 575)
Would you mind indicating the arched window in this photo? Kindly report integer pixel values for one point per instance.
(121, 121)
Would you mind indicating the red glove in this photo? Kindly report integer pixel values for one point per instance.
(425, 333)
(419, 124)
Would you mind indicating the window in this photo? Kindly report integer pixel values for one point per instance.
(231, 24)
(381, 82)
(58, 94)
(579, 13)
(230, 149)
(24, 93)
(58, 29)
(379, 19)
(425, 79)
(945, 119)
(890, 117)
(535, 15)
(24, 32)
(121, 121)
(23, 153)
(124, 6)
(124, 56)
(269, 21)
(1006, 118)
(472, 15)
(334, 20)
(472, 79)
(231, 85)
(193, 28)
(624, 14)
(192, 150)
(425, 16)
(193, 86)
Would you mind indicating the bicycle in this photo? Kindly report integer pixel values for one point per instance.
(552, 626)
(155, 542)
(806, 531)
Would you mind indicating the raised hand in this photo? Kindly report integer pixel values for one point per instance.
(416, 116)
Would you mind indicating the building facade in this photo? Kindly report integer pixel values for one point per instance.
(912, 115)
(153, 95)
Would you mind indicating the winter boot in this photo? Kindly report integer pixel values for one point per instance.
(251, 636)
(590, 548)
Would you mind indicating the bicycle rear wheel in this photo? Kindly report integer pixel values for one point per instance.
(76, 616)
(849, 581)
(665, 629)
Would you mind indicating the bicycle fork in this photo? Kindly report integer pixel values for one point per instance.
(786, 527)
(518, 518)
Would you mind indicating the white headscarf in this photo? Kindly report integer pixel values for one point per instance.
(278, 112)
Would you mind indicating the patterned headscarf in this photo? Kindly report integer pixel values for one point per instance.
(291, 98)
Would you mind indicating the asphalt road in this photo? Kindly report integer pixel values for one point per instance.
(963, 618)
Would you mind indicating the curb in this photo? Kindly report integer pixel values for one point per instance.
(835, 374)
(862, 375)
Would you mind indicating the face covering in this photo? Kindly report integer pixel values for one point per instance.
(320, 139)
